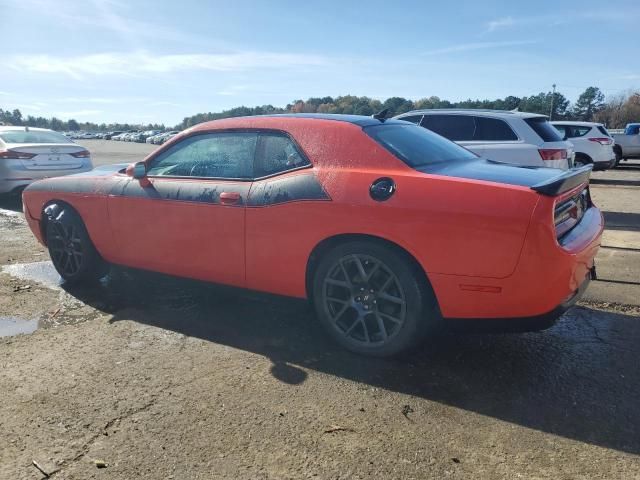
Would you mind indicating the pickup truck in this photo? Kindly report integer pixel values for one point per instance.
(628, 143)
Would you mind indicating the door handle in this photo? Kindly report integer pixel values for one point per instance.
(229, 198)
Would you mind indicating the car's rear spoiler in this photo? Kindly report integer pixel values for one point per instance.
(564, 182)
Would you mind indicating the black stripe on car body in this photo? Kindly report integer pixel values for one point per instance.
(292, 188)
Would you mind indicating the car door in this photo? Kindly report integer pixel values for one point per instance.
(283, 198)
(633, 141)
(187, 216)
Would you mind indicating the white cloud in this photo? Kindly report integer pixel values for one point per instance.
(467, 47)
(500, 23)
(563, 18)
(142, 62)
(163, 103)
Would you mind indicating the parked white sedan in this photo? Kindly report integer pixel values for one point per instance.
(28, 154)
(591, 141)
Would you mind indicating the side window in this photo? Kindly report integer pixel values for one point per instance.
(493, 129)
(580, 131)
(412, 118)
(453, 127)
(564, 131)
(277, 153)
(212, 155)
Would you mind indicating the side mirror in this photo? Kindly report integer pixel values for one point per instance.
(137, 170)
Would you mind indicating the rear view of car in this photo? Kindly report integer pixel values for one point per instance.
(29, 154)
(504, 136)
(592, 143)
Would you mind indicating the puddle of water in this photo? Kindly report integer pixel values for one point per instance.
(9, 213)
(14, 326)
(41, 272)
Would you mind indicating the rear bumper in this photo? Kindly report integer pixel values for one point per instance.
(14, 176)
(523, 324)
(605, 165)
(550, 275)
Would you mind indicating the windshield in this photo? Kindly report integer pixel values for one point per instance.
(417, 146)
(33, 136)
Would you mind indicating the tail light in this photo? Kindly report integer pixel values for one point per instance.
(13, 155)
(602, 140)
(570, 210)
(553, 153)
(81, 154)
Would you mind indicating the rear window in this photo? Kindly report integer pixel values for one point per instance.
(603, 131)
(417, 146)
(32, 136)
(544, 129)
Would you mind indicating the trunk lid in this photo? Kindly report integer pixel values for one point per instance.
(50, 156)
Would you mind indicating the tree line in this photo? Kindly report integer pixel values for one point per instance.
(590, 106)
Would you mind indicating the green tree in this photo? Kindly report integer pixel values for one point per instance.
(590, 102)
(73, 125)
(541, 103)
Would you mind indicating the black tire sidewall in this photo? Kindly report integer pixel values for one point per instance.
(91, 267)
(421, 313)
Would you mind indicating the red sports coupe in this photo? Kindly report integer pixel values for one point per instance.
(387, 228)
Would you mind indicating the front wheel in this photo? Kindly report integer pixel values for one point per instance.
(71, 250)
(372, 299)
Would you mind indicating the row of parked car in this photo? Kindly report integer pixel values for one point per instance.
(525, 138)
(155, 137)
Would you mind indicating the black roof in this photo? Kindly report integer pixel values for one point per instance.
(360, 120)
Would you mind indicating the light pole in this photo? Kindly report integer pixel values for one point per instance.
(553, 96)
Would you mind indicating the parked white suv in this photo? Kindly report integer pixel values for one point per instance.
(504, 136)
(591, 142)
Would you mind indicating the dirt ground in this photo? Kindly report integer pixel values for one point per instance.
(148, 376)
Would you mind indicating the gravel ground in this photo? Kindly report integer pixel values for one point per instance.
(147, 376)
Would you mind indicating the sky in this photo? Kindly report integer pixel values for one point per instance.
(160, 61)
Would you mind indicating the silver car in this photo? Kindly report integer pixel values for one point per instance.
(28, 154)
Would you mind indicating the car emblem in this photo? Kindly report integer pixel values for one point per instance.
(55, 150)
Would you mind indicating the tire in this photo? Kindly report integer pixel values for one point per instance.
(73, 254)
(390, 312)
(581, 161)
(618, 157)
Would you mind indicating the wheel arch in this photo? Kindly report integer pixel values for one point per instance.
(331, 242)
(587, 158)
(44, 215)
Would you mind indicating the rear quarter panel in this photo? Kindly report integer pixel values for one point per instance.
(452, 226)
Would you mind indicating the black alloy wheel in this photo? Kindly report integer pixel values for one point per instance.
(71, 250)
(371, 300)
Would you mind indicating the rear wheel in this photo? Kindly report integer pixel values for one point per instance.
(71, 250)
(618, 153)
(582, 160)
(372, 300)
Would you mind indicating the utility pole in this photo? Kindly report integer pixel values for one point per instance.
(553, 97)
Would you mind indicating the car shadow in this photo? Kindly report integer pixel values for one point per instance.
(11, 202)
(578, 379)
(621, 220)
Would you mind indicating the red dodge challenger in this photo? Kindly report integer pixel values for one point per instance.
(389, 229)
